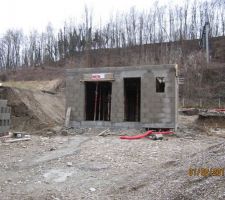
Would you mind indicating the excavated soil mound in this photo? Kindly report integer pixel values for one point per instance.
(34, 110)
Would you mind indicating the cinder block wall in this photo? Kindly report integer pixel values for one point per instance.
(4, 117)
(158, 110)
(75, 96)
(117, 101)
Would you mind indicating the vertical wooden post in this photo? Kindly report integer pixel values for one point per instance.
(67, 120)
(137, 103)
(99, 107)
(109, 106)
(96, 99)
(103, 105)
(125, 101)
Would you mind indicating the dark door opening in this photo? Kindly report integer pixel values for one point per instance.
(98, 101)
(132, 93)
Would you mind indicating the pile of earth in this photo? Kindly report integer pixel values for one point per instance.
(34, 110)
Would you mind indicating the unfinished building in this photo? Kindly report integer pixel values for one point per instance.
(4, 118)
(128, 97)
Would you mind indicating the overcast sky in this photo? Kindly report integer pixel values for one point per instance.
(36, 14)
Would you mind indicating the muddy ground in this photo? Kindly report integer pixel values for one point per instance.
(89, 166)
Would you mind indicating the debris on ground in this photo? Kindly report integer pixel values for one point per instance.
(16, 137)
(65, 132)
(92, 189)
(52, 149)
(20, 135)
(216, 131)
(112, 166)
(104, 133)
(49, 92)
(16, 140)
(156, 136)
(212, 113)
(69, 164)
(189, 111)
(212, 118)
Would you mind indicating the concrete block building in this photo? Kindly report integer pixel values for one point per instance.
(4, 117)
(128, 97)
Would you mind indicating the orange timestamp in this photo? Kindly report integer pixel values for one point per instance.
(206, 171)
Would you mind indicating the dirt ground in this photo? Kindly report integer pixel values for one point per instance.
(89, 166)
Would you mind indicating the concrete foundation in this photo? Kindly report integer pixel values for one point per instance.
(158, 109)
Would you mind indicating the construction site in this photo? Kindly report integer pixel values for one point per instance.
(132, 110)
(45, 156)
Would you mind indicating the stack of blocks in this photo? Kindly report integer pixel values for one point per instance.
(4, 118)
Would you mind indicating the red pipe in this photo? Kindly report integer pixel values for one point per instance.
(145, 135)
(136, 136)
(220, 110)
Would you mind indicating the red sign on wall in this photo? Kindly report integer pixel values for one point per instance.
(97, 76)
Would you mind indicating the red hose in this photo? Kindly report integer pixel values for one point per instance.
(144, 135)
(136, 136)
(219, 110)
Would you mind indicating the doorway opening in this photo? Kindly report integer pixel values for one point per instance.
(132, 99)
(98, 101)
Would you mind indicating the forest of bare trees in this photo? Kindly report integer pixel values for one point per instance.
(135, 28)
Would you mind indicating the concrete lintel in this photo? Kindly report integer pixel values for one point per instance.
(133, 73)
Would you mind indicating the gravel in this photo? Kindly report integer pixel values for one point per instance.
(110, 168)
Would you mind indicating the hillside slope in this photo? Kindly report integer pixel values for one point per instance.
(34, 110)
(160, 53)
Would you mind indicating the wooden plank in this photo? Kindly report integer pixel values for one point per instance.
(102, 133)
(17, 140)
(67, 120)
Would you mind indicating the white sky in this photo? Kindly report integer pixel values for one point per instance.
(36, 14)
